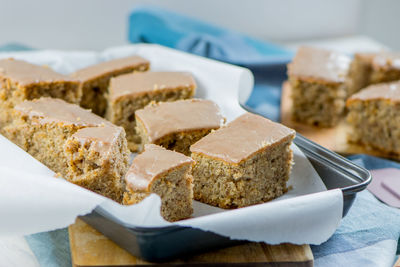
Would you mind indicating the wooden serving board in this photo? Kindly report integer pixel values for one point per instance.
(91, 248)
(334, 138)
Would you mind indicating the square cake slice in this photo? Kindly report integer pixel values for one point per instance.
(165, 173)
(98, 158)
(317, 78)
(244, 163)
(58, 134)
(21, 81)
(130, 92)
(372, 68)
(177, 125)
(95, 79)
(374, 114)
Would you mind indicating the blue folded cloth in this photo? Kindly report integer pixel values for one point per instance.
(155, 25)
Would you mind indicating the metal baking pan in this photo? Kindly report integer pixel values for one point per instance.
(162, 243)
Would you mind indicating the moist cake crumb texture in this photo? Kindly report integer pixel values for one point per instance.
(244, 163)
(20, 80)
(373, 68)
(131, 92)
(374, 114)
(318, 81)
(86, 149)
(177, 125)
(165, 173)
(95, 80)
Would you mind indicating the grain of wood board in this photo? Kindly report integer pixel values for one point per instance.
(334, 138)
(91, 248)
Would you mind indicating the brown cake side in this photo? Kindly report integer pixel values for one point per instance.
(373, 68)
(131, 92)
(165, 173)
(63, 137)
(319, 92)
(177, 125)
(98, 159)
(374, 114)
(244, 163)
(20, 80)
(95, 80)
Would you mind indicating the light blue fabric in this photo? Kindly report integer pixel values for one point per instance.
(51, 248)
(154, 25)
(14, 47)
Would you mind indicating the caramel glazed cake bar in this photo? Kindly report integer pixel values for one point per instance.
(84, 148)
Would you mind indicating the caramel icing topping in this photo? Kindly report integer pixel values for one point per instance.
(154, 161)
(242, 138)
(184, 115)
(47, 109)
(101, 139)
(143, 82)
(319, 64)
(25, 73)
(94, 71)
(389, 91)
(386, 60)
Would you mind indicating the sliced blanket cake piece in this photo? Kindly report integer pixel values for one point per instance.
(58, 134)
(95, 80)
(374, 114)
(165, 173)
(131, 92)
(318, 81)
(244, 163)
(98, 159)
(177, 125)
(20, 80)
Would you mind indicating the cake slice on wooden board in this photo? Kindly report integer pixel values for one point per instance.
(65, 138)
(177, 125)
(21, 81)
(95, 79)
(372, 68)
(165, 173)
(244, 163)
(318, 85)
(130, 92)
(374, 114)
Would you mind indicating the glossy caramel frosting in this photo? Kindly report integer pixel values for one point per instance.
(388, 91)
(386, 60)
(46, 110)
(143, 82)
(319, 64)
(94, 71)
(154, 161)
(242, 138)
(24, 73)
(101, 139)
(165, 118)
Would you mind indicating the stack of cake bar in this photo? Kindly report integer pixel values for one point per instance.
(326, 85)
(84, 127)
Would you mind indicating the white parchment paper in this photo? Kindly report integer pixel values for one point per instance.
(32, 200)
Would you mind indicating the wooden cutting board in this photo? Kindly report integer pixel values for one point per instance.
(91, 248)
(334, 138)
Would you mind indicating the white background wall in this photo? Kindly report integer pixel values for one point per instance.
(97, 24)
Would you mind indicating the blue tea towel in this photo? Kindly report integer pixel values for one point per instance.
(155, 25)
